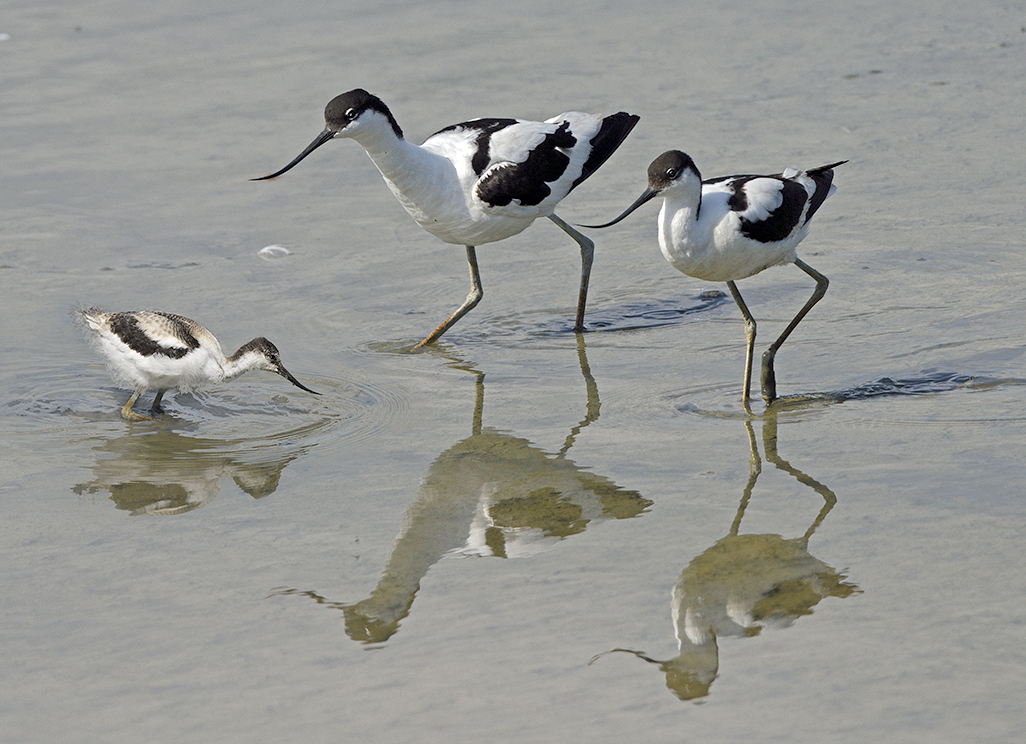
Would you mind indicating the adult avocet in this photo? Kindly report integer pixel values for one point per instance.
(482, 180)
(732, 227)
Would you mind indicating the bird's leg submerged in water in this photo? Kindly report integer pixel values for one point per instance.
(769, 380)
(587, 256)
(156, 402)
(474, 297)
(129, 414)
(476, 292)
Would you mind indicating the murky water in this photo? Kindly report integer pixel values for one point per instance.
(523, 534)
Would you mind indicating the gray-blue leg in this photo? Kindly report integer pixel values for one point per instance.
(587, 257)
(769, 379)
(750, 336)
(474, 297)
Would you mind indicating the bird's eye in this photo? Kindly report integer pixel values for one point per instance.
(351, 113)
(671, 172)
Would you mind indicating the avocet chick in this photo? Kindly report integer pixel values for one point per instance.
(153, 350)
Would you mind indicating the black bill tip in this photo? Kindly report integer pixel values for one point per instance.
(321, 138)
(288, 376)
(648, 195)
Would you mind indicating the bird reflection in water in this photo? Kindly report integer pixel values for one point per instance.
(164, 472)
(491, 494)
(745, 583)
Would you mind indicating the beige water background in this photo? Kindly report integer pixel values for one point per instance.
(444, 546)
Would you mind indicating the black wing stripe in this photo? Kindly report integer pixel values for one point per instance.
(485, 128)
(127, 328)
(528, 181)
(779, 223)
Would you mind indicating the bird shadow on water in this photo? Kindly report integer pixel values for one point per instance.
(929, 382)
(638, 315)
(745, 583)
(492, 494)
(518, 327)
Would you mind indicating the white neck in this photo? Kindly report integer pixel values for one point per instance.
(434, 183)
(416, 176)
(236, 367)
(680, 231)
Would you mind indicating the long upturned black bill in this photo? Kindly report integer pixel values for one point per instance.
(648, 195)
(323, 137)
(288, 376)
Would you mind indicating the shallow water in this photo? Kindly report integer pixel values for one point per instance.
(451, 544)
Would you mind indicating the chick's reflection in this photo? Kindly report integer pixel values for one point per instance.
(745, 582)
(491, 494)
(169, 473)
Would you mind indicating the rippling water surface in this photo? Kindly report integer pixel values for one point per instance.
(521, 534)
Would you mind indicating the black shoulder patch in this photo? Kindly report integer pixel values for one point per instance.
(485, 128)
(127, 329)
(780, 222)
(528, 181)
(738, 201)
